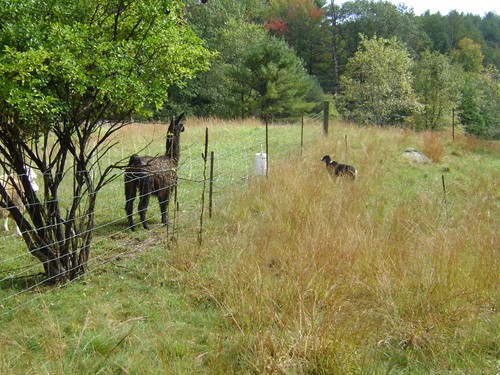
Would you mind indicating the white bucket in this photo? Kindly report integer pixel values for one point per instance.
(260, 164)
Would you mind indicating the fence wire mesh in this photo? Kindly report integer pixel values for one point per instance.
(234, 158)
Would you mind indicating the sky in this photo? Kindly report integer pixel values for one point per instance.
(479, 7)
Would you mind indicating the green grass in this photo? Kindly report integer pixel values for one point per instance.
(297, 273)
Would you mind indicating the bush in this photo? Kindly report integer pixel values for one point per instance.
(480, 104)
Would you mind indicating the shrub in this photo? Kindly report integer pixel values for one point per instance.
(433, 146)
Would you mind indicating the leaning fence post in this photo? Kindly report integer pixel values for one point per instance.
(302, 134)
(326, 116)
(205, 158)
(444, 195)
(211, 188)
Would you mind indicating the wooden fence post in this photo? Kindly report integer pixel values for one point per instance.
(453, 124)
(326, 116)
(302, 134)
(205, 158)
(176, 216)
(211, 187)
(444, 195)
(267, 148)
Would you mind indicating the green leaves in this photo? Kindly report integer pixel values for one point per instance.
(66, 67)
(437, 84)
(87, 56)
(469, 55)
(479, 107)
(23, 75)
(377, 84)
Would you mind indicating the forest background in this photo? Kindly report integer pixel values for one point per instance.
(378, 62)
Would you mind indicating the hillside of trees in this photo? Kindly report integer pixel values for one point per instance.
(375, 61)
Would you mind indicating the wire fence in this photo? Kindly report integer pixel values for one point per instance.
(233, 161)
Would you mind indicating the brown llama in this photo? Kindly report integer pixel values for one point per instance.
(153, 175)
(337, 169)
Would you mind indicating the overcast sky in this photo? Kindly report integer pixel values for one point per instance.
(480, 7)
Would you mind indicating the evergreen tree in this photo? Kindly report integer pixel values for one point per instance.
(274, 81)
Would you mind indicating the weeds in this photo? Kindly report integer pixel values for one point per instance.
(433, 146)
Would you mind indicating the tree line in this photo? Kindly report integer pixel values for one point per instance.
(281, 57)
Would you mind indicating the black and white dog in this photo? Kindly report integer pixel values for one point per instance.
(337, 169)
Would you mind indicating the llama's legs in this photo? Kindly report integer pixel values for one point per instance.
(143, 207)
(130, 193)
(129, 207)
(163, 207)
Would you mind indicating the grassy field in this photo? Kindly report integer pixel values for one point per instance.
(296, 274)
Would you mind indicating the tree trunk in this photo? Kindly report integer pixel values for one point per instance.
(335, 49)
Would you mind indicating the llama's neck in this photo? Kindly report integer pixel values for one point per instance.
(173, 147)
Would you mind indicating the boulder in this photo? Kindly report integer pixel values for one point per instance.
(416, 156)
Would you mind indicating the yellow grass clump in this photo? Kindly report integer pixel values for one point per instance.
(433, 145)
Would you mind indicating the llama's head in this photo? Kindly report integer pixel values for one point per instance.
(175, 128)
(177, 124)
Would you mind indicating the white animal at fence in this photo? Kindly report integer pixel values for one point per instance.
(6, 181)
(32, 178)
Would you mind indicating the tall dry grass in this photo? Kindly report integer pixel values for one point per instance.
(433, 145)
(327, 276)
